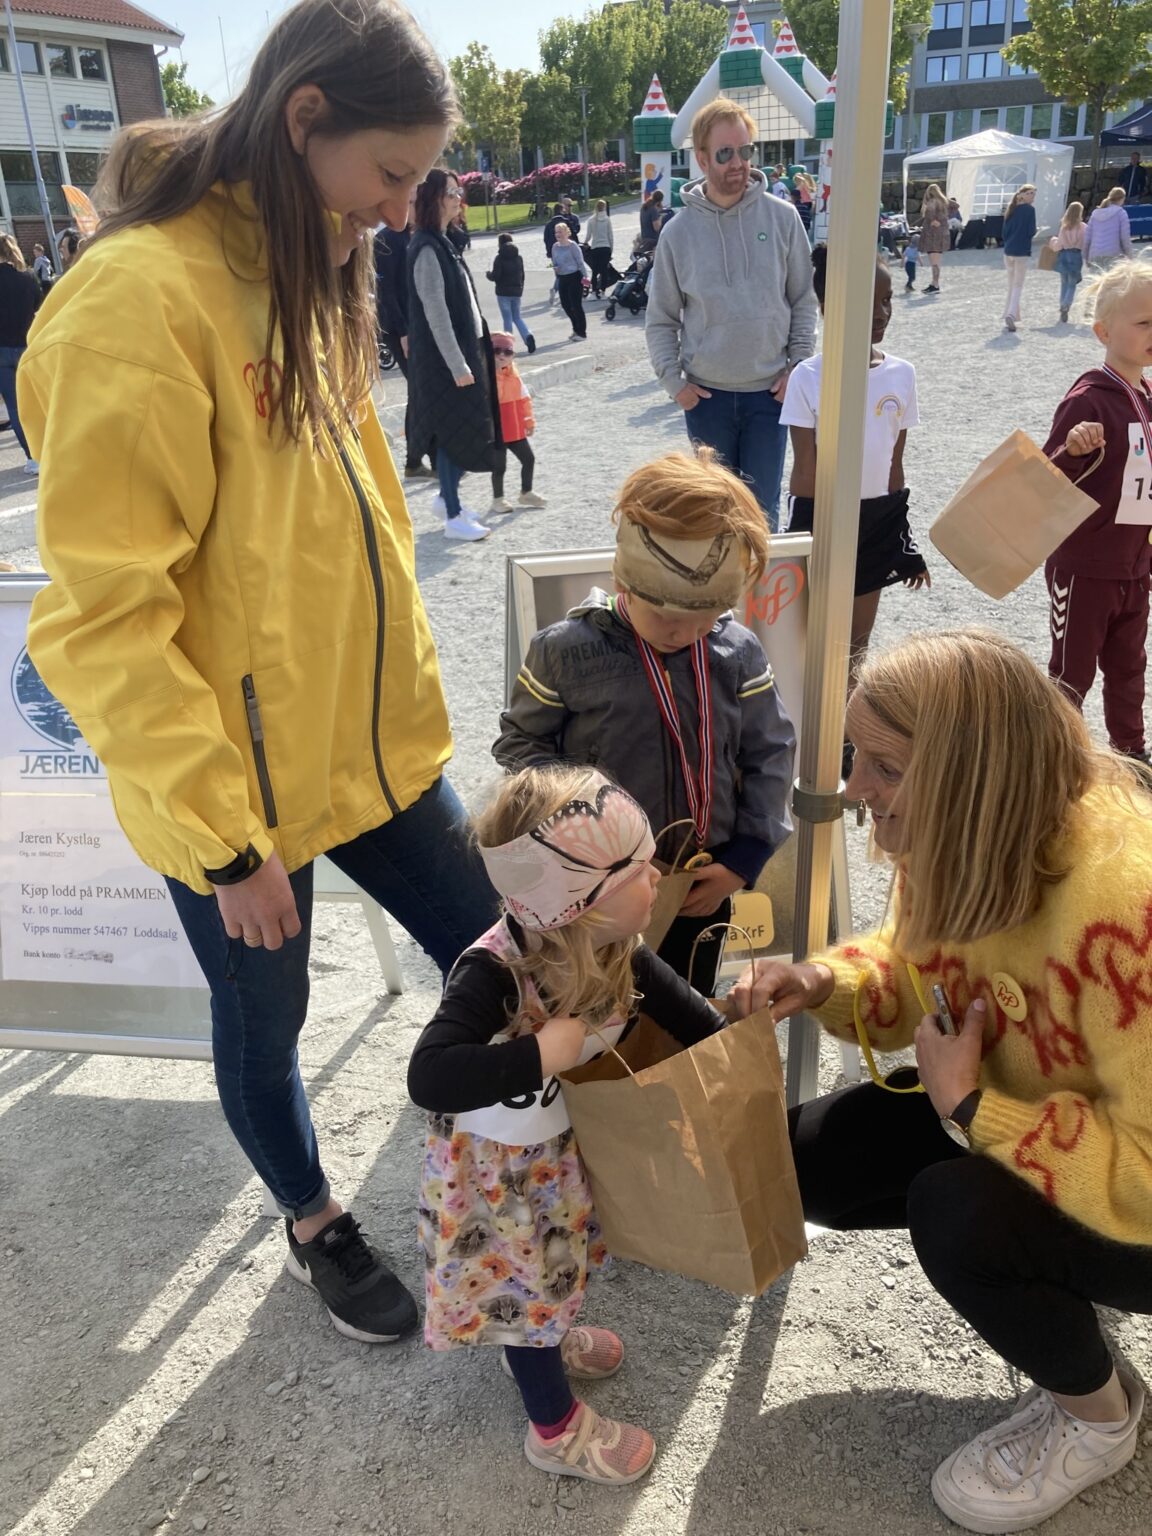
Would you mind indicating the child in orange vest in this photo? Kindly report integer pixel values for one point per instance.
(517, 423)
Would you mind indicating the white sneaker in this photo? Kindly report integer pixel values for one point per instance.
(1020, 1473)
(442, 511)
(532, 499)
(31, 468)
(463, 528)
(438, 506)
(501, 504)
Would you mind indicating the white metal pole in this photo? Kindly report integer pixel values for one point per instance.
(861, 107)
(583, 89)
(42, 191)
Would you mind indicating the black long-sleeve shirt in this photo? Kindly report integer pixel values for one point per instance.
(454, 1068)
(20, 298)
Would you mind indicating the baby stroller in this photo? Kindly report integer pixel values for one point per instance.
(632, 289)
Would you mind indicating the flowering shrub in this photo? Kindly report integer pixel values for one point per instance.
(551, 182)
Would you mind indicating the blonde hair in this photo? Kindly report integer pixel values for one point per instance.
(1114, 198)
(10, 253)
(1104, 294)
(1073, 215)
(999, 763)
(722, 110)
(1016, 196)
(933, 195)
(692, 496)
(573, 975)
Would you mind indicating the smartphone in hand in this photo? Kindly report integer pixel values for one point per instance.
(943, 1013)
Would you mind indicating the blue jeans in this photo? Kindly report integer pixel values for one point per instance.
(745, 431)
(449, 474)
(1070, 265)
(510, 315)
(9, 357)
(422, 868)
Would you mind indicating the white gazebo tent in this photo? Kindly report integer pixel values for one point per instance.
(985, 169)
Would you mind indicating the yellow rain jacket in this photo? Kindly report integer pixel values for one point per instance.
(233, 621)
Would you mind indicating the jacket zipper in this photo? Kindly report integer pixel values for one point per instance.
(378, 589)
(260, 756)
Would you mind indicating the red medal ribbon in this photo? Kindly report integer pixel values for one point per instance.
(1139, 399)
(698, 786)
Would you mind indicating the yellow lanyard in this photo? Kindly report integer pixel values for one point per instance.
(862, 1033)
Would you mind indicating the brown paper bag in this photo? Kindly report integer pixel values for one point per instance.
(689, 1160)
(1013, 510)
(672, 892)
(1046, 260)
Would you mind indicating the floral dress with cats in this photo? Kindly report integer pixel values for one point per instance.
(507, 1225)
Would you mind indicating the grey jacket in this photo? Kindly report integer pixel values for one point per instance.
(582, 696)
(730, 300)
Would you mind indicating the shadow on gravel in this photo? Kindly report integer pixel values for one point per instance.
(44, 1068)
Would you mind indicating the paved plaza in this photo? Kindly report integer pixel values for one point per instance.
(161, 1372)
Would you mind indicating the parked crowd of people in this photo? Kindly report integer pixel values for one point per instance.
(304, 715)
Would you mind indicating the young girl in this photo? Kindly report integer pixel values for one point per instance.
(517, 422)
(1019, 233)
(665, 690)
(886, 552)
(506, 1214)
(1068, 242)
(571, 273)
(231, 554)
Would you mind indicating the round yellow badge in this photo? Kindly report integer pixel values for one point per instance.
(1009, 996)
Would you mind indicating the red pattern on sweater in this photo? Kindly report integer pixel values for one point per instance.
(1113, 956)
(1048, 1131)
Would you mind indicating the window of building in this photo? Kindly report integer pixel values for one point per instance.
(4, 66)
(1014, 120)
(942, 66)
(758, 32)
(987, 13)
(1019, 12)
(985, 66)
(1018, 69)
(92, 64)
(989, 118)
(1069, 120)
(962, 123)
(950, 15)
(19, 175)
(60, 60)
(84, 168)
(1041, 125)
(936, 124)
(29, 57)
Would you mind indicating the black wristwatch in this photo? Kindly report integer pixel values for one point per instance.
(243, 865)
(957, 1124)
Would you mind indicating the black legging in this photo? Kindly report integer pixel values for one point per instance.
(521, 449)
(1020, 1272)
(571, 286)
(599, 260)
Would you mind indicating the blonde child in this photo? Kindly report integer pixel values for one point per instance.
(506, 1214)
(1098, 578)
(664, 689)
(1068, 243)
(517, 424)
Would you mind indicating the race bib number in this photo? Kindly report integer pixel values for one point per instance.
(533, 1117)
(1136, 496)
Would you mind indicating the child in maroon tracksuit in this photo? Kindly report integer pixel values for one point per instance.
(1098, 578)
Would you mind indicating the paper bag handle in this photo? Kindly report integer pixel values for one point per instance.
(1097, 460)
(685, 821)
(713, 928)
(608, 1046)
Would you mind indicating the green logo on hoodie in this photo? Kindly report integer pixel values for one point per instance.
(761, 236)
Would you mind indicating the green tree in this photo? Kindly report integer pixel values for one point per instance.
(491, 101)
(691, 37)
(551, 113)
(816, 25)
(1091, 51)
(180, 98)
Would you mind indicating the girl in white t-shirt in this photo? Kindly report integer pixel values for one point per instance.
(886, 551)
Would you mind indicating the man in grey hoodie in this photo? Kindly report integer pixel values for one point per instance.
(730, 303)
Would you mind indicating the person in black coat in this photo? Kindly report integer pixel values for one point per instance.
(391, 254)
(508, 274)
(20, 298)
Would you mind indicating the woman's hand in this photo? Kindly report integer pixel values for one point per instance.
(464, 380)
(1085, 437)
(262, 909)
(949, 1065)
(561, 1043)
(788, 989)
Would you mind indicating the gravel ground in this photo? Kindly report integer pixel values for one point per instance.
(161, 1371)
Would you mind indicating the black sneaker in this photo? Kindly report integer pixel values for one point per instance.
(364, 1298)
(418, 472)
(530, 343)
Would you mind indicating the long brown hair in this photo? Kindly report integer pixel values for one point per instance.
(11, 253)
(427, 211)
(376, 69)
(999, 764)
(1016, 196)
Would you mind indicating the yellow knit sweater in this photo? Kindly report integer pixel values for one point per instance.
(1067, 1068)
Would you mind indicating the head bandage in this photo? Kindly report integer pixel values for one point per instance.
(692, 574)
(580, 855)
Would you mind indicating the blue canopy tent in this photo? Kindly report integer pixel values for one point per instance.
(1135, 129)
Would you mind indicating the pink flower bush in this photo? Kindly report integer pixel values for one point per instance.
(551, 181)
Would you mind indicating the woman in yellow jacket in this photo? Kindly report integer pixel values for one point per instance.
(233, 618)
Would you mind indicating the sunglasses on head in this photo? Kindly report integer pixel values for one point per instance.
(747, 152)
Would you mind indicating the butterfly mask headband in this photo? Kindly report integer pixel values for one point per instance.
(689, 574)
(578, 857)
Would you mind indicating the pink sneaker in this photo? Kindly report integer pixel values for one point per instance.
(591, 1353)
(598, 1449)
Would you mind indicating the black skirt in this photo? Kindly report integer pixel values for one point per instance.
(886, 552)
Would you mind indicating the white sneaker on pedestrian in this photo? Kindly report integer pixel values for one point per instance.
(501, 504)
(31, 468)
(1020, 1473)
(532, 499)
(463, 528)
(442, 511)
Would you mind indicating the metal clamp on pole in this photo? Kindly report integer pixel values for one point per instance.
(812, 806)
